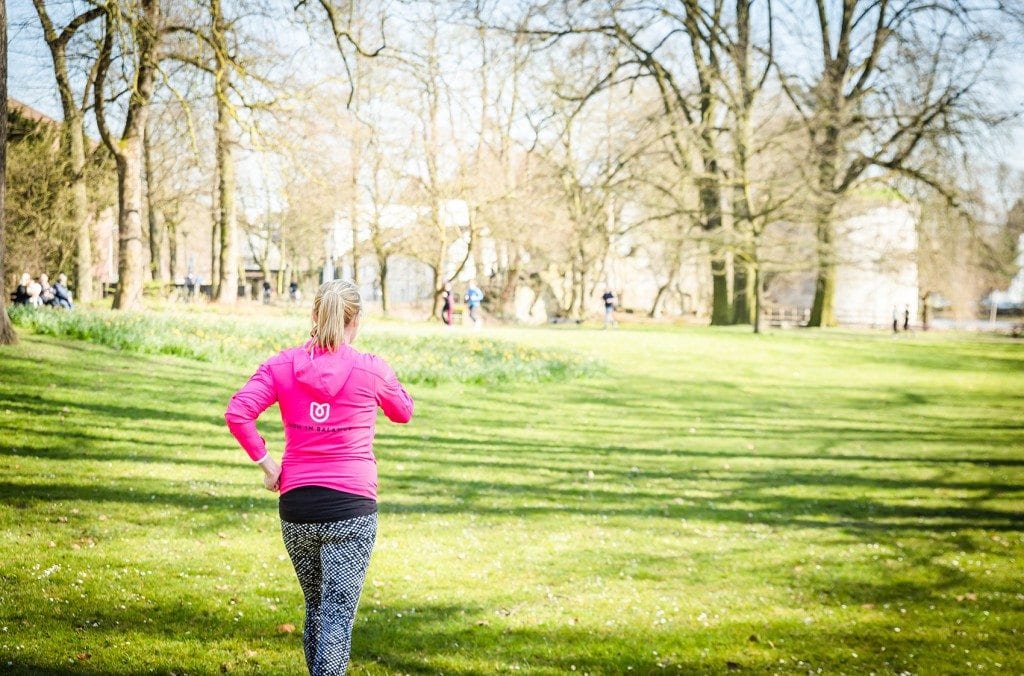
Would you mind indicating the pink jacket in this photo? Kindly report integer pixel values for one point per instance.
(329, 406)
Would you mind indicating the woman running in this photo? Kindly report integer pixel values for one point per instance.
(328, 394)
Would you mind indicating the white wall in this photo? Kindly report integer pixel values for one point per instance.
(877, 267)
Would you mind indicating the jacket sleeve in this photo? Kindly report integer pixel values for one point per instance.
(245, 407)
(391, 396)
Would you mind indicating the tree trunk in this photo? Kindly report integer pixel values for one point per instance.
(721, 310)
(227, 282)
(73, 143)
(7, 335)
(711, 222)
(742, 290)
(823, 308)
(757, 298)
(353, 212)
(130, 258)
(172, 250)
(80, 213)
(214, 248)
(435, 307)
(128, 149)
(826, 144)
(284, 269)
(653, 313)
(158, 271)
(382, 263)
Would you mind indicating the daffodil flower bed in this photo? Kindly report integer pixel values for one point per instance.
(246, 341)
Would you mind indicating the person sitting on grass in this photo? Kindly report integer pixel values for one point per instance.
(61, 292)
(328, 395)
(35, 292)
(46, 294)
(21, 294)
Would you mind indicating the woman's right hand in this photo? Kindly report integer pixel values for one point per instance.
(271, 474)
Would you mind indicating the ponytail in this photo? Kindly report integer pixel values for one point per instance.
(336, 305)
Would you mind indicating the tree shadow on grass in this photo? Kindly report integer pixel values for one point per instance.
(739, 496)
(470, 640)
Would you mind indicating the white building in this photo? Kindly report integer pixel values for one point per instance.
(876, 274)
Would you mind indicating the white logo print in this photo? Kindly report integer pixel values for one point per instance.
(319, 412)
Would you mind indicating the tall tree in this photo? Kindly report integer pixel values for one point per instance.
(7, 335)
(434, 178)
(227, 282)
(885, 78)
(138, 28)
(74, 144)
(217, 55)
(742, 85)
(652, 39)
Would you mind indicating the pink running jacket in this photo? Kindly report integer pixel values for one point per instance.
(329, 406)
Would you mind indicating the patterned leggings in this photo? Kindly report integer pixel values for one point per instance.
(330, 560)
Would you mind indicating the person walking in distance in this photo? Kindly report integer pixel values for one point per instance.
(474, 296)
(609, 308)
(328, 393)
(448, 304)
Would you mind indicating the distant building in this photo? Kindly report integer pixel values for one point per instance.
(1013, 296)
(876, 270)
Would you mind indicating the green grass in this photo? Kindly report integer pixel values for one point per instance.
(711, 501)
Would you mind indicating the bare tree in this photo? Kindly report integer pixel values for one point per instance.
(434, 182)
(887, 77)
(651, 39)
(7, 335)
(219, 56)
(74, 131)
(139, 29)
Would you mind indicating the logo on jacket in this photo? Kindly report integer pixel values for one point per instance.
(319, 412)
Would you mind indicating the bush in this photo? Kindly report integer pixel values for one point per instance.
(246, 341)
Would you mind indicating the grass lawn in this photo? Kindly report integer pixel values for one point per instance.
(711, 501)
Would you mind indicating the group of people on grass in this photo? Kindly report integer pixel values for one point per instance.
(474, 298)
(294, 293)
(39, 292)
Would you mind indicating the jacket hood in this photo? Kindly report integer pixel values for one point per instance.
(324, 372)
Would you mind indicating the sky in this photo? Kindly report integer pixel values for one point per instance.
(30, 80)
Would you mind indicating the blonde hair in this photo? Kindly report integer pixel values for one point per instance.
(335, 307)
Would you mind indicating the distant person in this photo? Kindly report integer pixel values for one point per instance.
(190, 285)
(609, 308)
(895, 320)
(293, 292)
(328, 394)
(266, 292)
(35, 291)
(46, 294)
(448, 304)
(21, 294)
(62, 293)
(906, 317)
(474, 297)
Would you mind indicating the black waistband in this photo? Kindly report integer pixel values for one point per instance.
(317, 504)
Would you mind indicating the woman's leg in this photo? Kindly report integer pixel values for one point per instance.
(345, 555)
(303, 544)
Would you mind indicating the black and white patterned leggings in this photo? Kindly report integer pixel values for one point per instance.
(330, 561)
